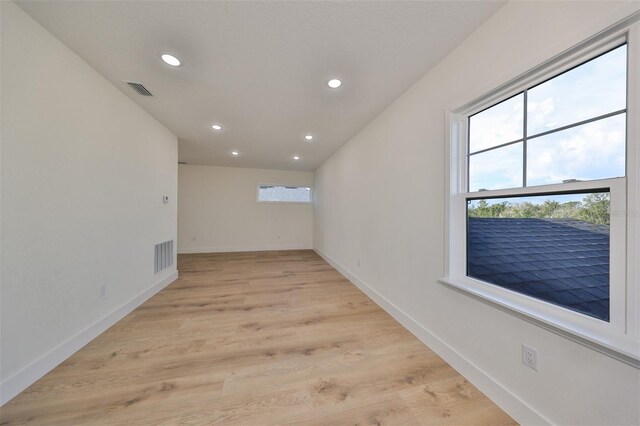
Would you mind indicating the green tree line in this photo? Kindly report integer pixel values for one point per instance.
(594, 208)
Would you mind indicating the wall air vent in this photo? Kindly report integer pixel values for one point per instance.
(163, 257)
(139, 88)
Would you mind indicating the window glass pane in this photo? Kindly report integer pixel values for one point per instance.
(554, 248)
(288, 194)
(496, 169)
(594, 150)
(594, 88)
(500, 124)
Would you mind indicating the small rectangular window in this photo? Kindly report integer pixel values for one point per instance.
(551, 247)
(284, 194)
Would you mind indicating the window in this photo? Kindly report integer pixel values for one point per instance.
(570, 127)
(544, 174)
(554, 248)
(284, 194)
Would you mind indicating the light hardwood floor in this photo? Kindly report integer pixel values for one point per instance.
(252, 339)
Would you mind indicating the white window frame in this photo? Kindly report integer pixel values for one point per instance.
(258, 200)
(620, 337)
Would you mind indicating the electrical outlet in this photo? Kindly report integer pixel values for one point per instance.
(103, 290)
(529, 357)
(358, 261)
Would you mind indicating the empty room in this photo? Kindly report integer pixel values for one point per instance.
(319, 212)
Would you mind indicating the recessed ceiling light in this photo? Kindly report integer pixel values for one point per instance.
(309, 137)
(296, 157)
(235, 153)
(171, 60)
(334, 83)
(216, 127)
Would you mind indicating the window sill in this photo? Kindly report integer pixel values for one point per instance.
(624, 349)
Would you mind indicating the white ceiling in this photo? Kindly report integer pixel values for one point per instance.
(260, 68)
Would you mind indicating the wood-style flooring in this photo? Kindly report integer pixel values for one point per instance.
(255, 339)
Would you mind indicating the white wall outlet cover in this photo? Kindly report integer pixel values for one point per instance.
(529, 357)
(165, 199)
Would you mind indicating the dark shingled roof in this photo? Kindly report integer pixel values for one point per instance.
(561, 261)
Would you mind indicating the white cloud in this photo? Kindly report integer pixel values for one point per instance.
(592, 151)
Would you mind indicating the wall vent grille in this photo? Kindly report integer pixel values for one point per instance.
(163, 257)
(139, 88)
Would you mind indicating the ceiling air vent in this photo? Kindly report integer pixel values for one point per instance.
(139, 88)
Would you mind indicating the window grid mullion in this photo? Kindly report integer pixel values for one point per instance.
(524, 140)
(468, 155)
(579, 123)
(495, 147)
(549, 132)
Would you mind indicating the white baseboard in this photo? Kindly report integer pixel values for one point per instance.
(19, 381)
(235, 249)
(511, 404)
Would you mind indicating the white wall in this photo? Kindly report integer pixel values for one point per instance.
(218, 211)
(379, 216)
(84, 170)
